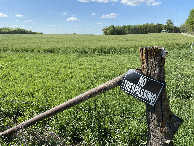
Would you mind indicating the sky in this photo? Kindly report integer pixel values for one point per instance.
(89, 16)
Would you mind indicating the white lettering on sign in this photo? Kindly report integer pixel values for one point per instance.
(142, 87)
(142, 93)
(142, 81)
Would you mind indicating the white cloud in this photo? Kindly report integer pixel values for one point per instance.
(73, 19)
(139, 2)
(19, 15)
(83, 0)
(28, 21)
(93, 14)
(155, 3)
(100, 1)
(64, 13)
(104, 1)
(100, 23)
(111, 16)
(3, 15)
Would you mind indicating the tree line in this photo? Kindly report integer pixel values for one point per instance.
(141, 29)
(187, 27)
(7, 30)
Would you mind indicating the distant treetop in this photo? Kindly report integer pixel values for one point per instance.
(7, 30)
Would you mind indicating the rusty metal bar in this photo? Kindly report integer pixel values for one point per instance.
(74, 101)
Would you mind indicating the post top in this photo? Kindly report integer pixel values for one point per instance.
(156, 49)
(152, 47)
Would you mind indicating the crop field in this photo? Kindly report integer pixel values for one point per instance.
(39, 72)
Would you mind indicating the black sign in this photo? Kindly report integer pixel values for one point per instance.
(142, 87)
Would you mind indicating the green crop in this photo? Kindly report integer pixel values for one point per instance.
(38, 72)
(88, 44)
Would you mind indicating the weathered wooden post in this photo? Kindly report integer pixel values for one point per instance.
(162, 123)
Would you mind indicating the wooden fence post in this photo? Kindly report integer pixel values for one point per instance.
(162, 123)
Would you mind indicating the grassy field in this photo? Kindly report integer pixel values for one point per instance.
(38, 72)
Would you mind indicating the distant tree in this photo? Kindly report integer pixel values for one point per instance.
(105, 31)
(128, 29)
(169, 22)
(124, 29)
(169, 25)
(190, 21)
(176, 29)
(120, 30)
(151, 28)
(159, 27)
(146, 28)
(184, 28)
(111, 30)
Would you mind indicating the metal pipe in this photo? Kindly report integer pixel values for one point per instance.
(74, 101)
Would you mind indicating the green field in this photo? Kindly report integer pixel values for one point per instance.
(38, 72)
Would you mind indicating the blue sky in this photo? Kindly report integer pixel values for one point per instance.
(89, 16)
